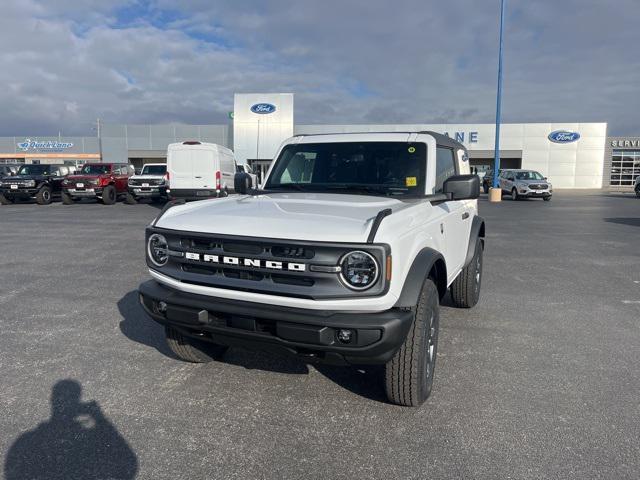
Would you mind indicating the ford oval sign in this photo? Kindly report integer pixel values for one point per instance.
(562, 136)
(263, 108)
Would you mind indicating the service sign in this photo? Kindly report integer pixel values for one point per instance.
(49, 145)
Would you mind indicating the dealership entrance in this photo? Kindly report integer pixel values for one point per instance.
(483, 160)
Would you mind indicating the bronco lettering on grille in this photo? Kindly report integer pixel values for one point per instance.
(246, 262)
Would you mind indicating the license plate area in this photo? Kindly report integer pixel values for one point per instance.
(203, 193)
(14, 187)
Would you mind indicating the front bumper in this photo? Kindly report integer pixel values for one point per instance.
(90, 192)
(307, 334)
(147, 192)
(19, 192)
(192, 193)
(527, 192)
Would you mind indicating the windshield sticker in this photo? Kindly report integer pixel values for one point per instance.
(412, 149)
(411, 181)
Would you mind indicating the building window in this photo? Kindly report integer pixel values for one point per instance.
(625, 167)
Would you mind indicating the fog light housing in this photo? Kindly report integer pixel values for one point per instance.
(345, 336)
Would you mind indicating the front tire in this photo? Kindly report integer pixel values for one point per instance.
(44, 196)
(465, 289)
(109, 195)
(67, 199)
(514, 195)
(191, 349)
(547, 199)
(130, 199)
(4, 200)
(485, 187)
(409, 374)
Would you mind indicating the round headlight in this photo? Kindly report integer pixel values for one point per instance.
(157, 247)
(359, 270)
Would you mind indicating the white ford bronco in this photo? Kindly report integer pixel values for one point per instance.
(342, 256)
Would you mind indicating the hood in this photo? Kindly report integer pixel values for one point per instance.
(532, 181)
(80, 177)
(293, 216)
(20, 178)
(146, 177)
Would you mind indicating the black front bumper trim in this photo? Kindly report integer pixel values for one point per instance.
(309, 334)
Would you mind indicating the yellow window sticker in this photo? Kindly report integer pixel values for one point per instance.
(412, 149)
(411, 181)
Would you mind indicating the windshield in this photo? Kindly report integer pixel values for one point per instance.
(154, 170)
(95, 169)
(34, 170)
(383, 168)
(530, 175)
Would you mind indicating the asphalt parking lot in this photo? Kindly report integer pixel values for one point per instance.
(540, 380)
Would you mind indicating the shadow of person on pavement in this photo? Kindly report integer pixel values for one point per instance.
(77, 442)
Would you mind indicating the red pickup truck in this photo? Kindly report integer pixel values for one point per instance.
(105, 182)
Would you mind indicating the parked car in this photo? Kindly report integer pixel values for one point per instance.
(525, 184)
(487, 180)
(317, 279)
(40, 182)
(8, 170)
(199, 170)
(636, 187)
(151, 183)
(105, 182)
(245, 168)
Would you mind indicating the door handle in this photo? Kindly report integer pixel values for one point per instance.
(465, 215)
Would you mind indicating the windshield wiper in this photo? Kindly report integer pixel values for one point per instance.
(371, 189)
(283, 188)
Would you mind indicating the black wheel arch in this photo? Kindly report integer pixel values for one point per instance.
(429, 263)
(477, 231)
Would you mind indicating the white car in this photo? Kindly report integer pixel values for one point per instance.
(342, 256)
(198, 170)
(636, 187)
(521, 183)
(151, 183)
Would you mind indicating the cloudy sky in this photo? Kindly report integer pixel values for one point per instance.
(67, 62)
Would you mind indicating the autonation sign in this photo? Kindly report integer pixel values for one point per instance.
(51, 145)
(562, 136)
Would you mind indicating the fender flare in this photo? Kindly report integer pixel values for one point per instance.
(477, 231)
(428, 262)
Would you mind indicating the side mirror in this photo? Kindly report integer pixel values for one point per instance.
(242, 183)
(462, 187)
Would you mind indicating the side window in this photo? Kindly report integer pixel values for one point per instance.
(445, 167)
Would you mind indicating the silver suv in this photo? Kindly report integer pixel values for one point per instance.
(525, 184)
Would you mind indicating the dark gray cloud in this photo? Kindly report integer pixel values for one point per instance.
(67, 63)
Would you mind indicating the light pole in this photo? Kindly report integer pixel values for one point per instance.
(495, 195)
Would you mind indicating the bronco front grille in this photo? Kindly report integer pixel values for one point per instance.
(275, 267)
(151, 182)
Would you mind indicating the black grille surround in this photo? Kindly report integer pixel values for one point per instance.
(538, 186)
(284, 282)
(134, 182)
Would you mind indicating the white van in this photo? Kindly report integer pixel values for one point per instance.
(198, 170)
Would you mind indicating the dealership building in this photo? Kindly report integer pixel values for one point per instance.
(572, 155)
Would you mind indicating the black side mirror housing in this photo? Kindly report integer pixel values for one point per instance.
(242, 183)
(462, 187)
